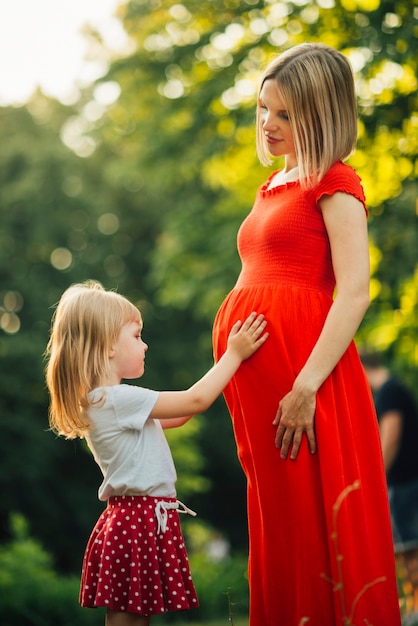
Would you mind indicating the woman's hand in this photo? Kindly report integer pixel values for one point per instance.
(294, 417)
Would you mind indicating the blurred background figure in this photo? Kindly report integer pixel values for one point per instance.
(397, 413)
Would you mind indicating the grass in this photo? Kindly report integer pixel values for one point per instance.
(220, 621)
(238, 621)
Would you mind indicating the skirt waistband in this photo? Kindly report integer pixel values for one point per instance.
(161, 507)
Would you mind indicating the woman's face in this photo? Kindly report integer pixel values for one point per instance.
(275, 124)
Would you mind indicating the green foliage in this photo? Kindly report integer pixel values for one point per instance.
(188, 465)
(147, 195)
(31, 594)
(218, 584)
(222, 589)
(196, 66)
(57, 208)
(391, 323)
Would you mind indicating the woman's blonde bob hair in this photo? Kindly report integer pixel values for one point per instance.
(85, 325)
(316, 84)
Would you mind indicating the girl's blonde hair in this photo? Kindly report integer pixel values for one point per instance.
(85, 325)
(316, 84)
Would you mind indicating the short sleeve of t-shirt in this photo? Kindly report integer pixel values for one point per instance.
(390, 397)
(130, 405)
(393, 396)
(133, 405)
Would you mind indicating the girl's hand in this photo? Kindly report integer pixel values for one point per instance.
(244, 339)
(294, 417)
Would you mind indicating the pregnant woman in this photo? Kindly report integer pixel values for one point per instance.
(320, 537)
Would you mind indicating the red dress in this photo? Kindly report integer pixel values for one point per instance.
(321, 548)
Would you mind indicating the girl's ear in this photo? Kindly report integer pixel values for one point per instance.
(111, 352)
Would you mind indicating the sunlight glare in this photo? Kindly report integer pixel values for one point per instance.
(41, 45)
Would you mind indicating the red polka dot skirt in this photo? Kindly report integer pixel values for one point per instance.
(136, 560)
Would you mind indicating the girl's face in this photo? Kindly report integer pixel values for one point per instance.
(127, 355)
(275, 124)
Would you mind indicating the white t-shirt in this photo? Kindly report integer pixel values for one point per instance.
(130, 449)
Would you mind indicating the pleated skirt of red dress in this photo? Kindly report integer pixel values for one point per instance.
(131, 565)
(321, 550)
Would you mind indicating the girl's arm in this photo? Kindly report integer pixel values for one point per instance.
(175, 422)
(345, 221)
(244, 339)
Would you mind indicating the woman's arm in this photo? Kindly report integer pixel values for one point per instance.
(244, 339)
(345, 221)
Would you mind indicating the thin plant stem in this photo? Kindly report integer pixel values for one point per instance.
(338, 585)
(230, 604)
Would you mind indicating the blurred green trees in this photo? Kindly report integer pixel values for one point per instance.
(31, 594)
(142, 184)
(194, 67)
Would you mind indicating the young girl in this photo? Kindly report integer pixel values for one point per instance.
(135, 562)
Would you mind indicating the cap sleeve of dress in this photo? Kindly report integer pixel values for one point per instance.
(341, 177)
